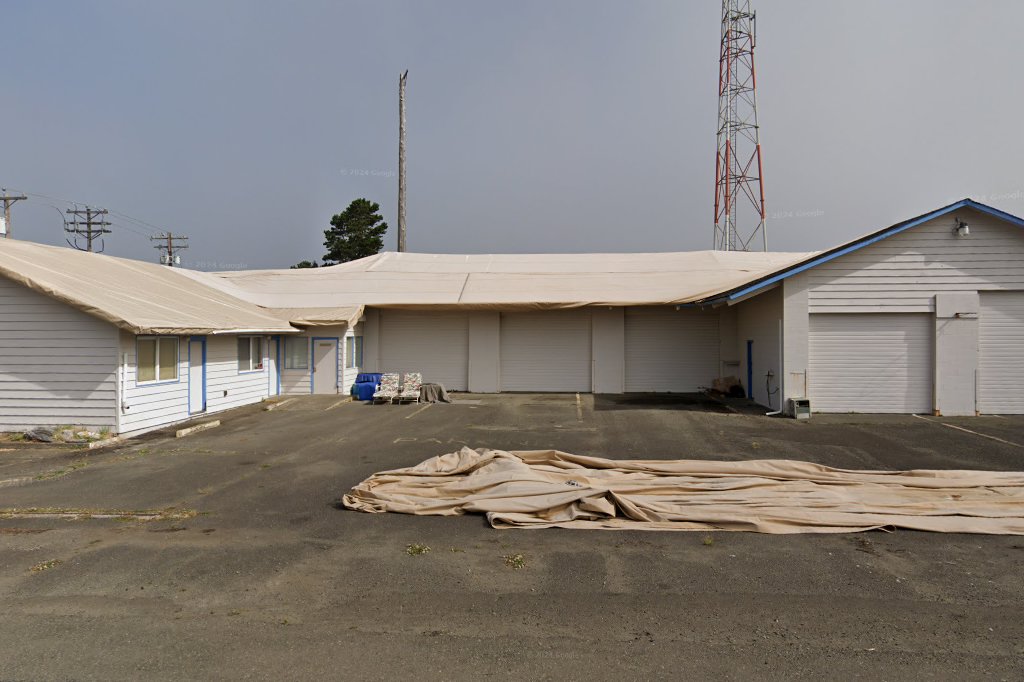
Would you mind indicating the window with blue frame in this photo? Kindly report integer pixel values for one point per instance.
(156, 359)
(250, 353)
(353, 352)
(296, 352)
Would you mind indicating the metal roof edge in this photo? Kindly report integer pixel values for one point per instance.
(747, 289)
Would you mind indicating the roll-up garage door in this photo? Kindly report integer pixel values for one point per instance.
(436, 344)
(871, 362)
(669, 350)
(546, 351)
(1001, 353)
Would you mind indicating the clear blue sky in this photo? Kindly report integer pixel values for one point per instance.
(537, 125)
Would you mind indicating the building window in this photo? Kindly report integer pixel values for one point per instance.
(353, 351)
(296, 352)
(250, 353)
(156, 359)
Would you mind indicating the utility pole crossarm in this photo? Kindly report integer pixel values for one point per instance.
(170, 243)
(87, 222)
(9, 200)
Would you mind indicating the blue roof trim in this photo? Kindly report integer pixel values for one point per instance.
(866, 241)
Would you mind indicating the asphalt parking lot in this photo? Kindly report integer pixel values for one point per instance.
(251, 571)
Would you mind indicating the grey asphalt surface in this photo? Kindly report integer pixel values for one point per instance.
(271, 580)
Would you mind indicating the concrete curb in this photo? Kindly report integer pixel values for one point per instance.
(198, 427)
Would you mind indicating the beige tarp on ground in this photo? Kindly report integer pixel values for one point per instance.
(144, 298)
(546, 488)
(504, 281)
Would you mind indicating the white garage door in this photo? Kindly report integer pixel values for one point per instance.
(436, 344)
(546, 351)
(871, 362)
(669, 350)
(1001, 353)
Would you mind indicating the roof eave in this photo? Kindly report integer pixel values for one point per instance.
(744, 291)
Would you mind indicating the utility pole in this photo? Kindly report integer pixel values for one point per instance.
(739, 176)
(92, 227)
(8, 199)
(401, 160)
(170, 244)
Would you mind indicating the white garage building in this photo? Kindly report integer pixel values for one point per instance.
(925, 316)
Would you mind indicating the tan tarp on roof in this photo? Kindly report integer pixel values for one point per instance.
(507, 281)
(319, 317)
(136, 296)
(545, 488)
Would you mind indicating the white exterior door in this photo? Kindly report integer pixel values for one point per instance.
(325, 366)
(546, 351)
(273, 351)
(196, 376)
(669, 350)
(862, 362)
(434, 344)
(1001, 353)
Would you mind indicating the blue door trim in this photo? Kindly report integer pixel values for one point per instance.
(312, 358)
(750, 369)
(202, 340)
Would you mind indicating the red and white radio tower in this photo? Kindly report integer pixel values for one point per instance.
(739, 177)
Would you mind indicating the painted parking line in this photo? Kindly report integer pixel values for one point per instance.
(418, 411)
(960, 428)
(337, 404)
(579, 409)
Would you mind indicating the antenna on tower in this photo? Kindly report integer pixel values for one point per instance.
(739, 175)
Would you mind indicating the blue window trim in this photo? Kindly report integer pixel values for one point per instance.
(278, 341)
(157, 382)
(357, 352)
(201, 339)
(263, 356)
(308, 351)
(337, 357)
(732, 296)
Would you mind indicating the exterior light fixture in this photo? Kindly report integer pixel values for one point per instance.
(961, 229)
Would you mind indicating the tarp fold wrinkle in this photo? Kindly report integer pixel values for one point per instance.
(548, 488)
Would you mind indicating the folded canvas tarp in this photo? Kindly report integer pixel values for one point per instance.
(546, 488)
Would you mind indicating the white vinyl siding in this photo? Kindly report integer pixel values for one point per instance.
(1001, 353)
(669, 350)
(546, 351)
(57, 364)
(159, 404)
(871, 363)
(296, 381)
(435, 344)
(902, 273)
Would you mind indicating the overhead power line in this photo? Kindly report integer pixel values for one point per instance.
(88, 223)
(170, 244)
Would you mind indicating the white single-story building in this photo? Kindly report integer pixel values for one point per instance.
(924, 316)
